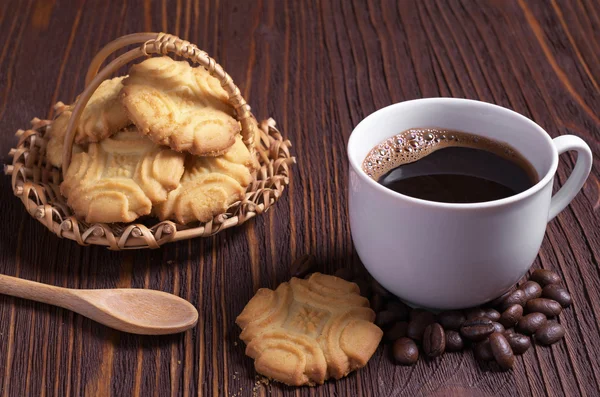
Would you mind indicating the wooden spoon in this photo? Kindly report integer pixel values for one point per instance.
(139, 311)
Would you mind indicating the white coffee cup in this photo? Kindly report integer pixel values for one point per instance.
(451, 256)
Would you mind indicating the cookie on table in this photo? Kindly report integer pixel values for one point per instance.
(180, 106)
(102, 117)
(120, 178)
(210, 185)
(307, 331)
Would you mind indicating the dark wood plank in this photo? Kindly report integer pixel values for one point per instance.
(318, 67)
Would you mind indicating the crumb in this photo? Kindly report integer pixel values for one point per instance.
(179, 362)
(170, 262)
(261, 380)
(235, 343)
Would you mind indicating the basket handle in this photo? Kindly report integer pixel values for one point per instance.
(155, 43)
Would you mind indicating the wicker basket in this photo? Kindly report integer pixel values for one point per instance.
(37, 183)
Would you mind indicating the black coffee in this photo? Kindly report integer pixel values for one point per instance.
(449, 166)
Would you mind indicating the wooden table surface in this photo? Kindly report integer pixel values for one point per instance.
(318, 68)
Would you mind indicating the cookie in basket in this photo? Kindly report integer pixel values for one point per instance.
(120, 178)
(180, 106)
(102, 117)
(307, 331)
(209, 185)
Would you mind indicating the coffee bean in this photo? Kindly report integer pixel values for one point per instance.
(530, 323)
(544, 277)
(499, 300)
(396, 331)
(518, 343)
(558, 294)
(532, 290)
(501, 350)
(399, 308)
(434, 340)
(303, 265)
(498, 327)
(483, 351)
(517, 297)
(492, 314)
(545, 306)
(454, 342)
(377, 302)
(549, 333)
(477, 329)
(417, 325)
(511, 315)
(345, 273)
(452, 319)
(379, 290)
(386, 317)
(475, 312)
(405, 351)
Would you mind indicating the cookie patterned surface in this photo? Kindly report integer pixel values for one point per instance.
(180, 106)
(209, 185)
(120, 178)
(307, 331)
(103, 116)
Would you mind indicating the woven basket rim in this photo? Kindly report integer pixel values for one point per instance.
(36, 183)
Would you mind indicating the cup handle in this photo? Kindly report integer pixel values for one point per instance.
(575, 182)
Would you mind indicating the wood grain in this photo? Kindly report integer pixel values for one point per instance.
(318, 67)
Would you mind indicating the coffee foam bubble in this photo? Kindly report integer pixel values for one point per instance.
(416, 143)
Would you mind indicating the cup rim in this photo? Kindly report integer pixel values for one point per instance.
(458, 206)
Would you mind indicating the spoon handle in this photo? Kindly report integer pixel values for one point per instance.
(39, 292)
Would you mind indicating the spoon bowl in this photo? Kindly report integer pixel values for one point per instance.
(138, 311)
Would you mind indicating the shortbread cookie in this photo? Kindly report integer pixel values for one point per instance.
(209, 185)
(102, 117)
(180, 106)
(120, 178)
(307, 331)
(55, 137)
